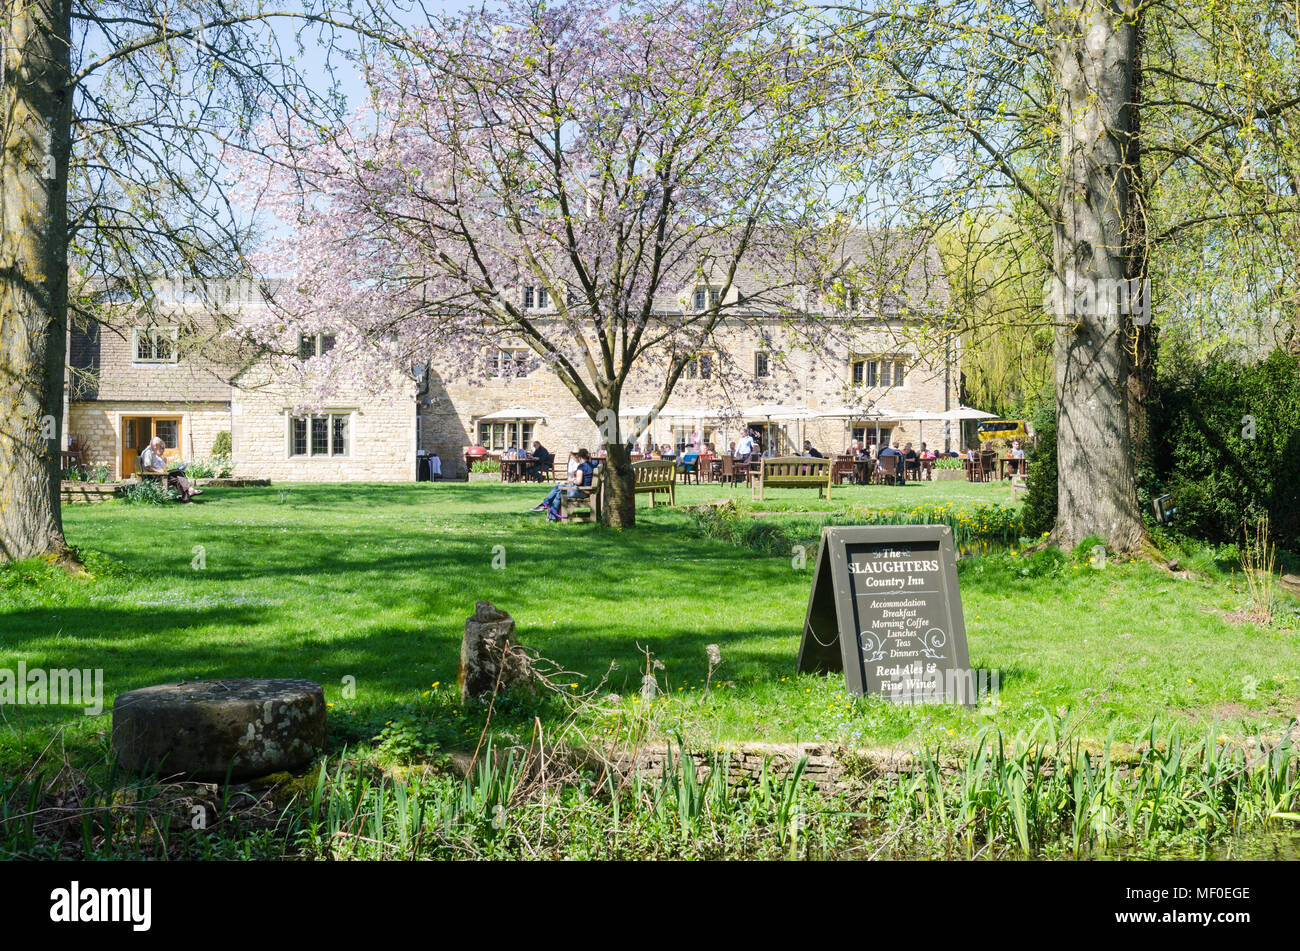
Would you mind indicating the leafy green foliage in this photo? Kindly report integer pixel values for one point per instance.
(148, 492)
(1040, 501)
(975, 527)
(1227, 446)
(221, 445)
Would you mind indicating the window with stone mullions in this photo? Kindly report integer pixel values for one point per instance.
(326, 434)
(706, 297)
(155, 345)
(535, 297)
(700, 367)
(314, 345)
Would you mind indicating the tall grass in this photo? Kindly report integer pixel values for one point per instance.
(1032, 797)
(1041, 797)
(1258, 563)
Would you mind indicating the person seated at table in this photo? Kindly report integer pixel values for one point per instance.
(855, 449)
(689, 460)
(581, 478)
(911, 460)
(153, 460)
(809, 451)
(731, 451)
(888, 450)
(1017, 457)
(667, 452)
(927, 461)
(541, 463)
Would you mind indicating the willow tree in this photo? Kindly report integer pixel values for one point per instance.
(112, 116)
(1116, 127)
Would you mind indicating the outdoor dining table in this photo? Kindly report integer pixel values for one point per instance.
(512, 470)
(1005, 461)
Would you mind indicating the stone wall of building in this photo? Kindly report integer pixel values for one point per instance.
(97, 425)
(814, 378)
(381, 434)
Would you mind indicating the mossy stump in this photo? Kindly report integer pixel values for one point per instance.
(208, 729)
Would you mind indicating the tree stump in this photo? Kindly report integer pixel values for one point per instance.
(205, 729)
(491, 658)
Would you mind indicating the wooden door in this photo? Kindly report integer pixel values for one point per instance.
(137, 431)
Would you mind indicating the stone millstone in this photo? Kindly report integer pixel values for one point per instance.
(491, 658)
(204, 728)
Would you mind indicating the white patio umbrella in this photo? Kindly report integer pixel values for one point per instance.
(963, 413)
(921, 416)
(847, 413)
(513, 412)
(778, 411)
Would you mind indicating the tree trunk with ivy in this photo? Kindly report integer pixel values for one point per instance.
(35, 113)
(1095, 59)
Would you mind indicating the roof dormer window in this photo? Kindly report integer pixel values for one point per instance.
(706, 298)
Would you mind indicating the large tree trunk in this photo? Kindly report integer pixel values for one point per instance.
(1095, 59)
(619, 486)
(1140, 328)
(35, 117)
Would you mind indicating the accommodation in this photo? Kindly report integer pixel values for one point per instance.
(182, 380)
(183, 377)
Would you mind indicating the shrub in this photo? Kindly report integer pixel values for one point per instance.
(948, 462)
(975, 528)
(73, 474)
(217, 467)
(485, 465)
(1040, 501)
(1226, 447)
(148, 492)
(222, 446)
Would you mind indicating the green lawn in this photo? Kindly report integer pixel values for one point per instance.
(374, 582)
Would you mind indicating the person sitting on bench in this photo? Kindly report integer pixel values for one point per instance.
(152, 460)
(581, 477)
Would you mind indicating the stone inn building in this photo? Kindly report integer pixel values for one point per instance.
(870, 378)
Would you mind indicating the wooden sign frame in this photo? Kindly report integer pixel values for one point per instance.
(833, 635)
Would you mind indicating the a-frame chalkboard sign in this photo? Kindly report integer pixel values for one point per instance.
(885, 608)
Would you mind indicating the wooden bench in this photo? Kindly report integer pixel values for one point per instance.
(656, 475)
(1020, 482)
(794, 472)
(590, 501)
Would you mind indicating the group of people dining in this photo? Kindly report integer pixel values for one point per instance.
(867, 458)
(536, 464)
(746, 449)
